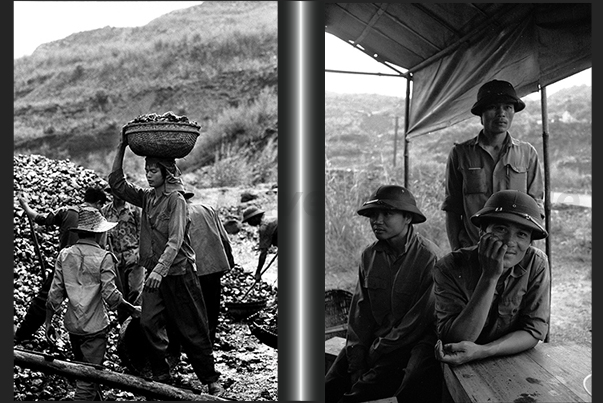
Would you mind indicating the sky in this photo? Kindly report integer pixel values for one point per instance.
(342, 56)
(38, 22)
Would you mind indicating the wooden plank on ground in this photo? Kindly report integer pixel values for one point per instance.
(131, 383)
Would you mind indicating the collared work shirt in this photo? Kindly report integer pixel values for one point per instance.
(85, 275)
(521, 301)
(472, 176)
(393, 304)
(268, 233)
(165, 244)
(124, 237)
(209, 240)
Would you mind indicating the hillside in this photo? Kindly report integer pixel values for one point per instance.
(360, 133)
(72, 96)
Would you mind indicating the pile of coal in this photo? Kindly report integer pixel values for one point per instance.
(47, 184)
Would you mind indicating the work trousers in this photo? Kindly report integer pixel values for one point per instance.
(178, 302)
(88, 348)
(130, 281)
(211, 288)
(36, 313)
(411, 375)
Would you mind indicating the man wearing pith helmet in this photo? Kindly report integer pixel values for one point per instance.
(391, 323)
(491, 161)
(493, 298)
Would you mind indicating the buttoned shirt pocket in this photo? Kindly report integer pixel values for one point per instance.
(474, 180)
(161, 222)
(508, 312)
(517, 176)
(379, 294)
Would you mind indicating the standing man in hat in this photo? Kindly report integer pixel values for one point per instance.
(85, 276)
(391, 324)
(487, 163)
(123, 241)
(267, 232)
(493, 298)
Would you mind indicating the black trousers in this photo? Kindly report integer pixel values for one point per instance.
(411, 375)
(212, 290)
(178, 305)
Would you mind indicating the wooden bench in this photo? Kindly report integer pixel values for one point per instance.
(546, 373)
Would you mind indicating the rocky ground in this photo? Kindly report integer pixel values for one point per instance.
(248, 367)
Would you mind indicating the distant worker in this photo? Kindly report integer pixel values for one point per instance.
(267, 233)
(487, 163)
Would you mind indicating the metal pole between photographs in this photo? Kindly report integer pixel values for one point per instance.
(547, 191)
(406, 139)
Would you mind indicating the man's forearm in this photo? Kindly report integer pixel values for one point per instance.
(470, 322)
(511, 343)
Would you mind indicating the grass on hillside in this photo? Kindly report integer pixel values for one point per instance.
(238, 149)
(347, 234)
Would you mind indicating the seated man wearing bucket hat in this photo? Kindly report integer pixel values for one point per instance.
(487, 163)
(493, 298)
(267, 233)
(85, 276)
(391, 323)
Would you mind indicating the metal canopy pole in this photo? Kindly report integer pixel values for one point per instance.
(406, 139)
(547, 191)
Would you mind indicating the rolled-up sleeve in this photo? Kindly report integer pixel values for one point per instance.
(534, 316)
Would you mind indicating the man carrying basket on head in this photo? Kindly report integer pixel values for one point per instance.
(172, 292)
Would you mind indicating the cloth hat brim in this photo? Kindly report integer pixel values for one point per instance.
(479, 106)
(538, 232)
(252, 215)
(97, 227)
(417, 216)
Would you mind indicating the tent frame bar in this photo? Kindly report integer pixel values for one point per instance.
(403, 75)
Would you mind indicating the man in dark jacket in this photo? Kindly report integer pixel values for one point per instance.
(391, 324)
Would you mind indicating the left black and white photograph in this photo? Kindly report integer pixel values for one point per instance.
(145, 200)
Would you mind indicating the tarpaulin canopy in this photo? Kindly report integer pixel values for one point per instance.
(451, 49)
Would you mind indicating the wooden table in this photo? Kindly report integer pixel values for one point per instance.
(546, 373)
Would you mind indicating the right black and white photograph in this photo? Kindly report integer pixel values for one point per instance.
(458, 202)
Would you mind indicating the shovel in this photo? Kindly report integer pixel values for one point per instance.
(262, 272)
